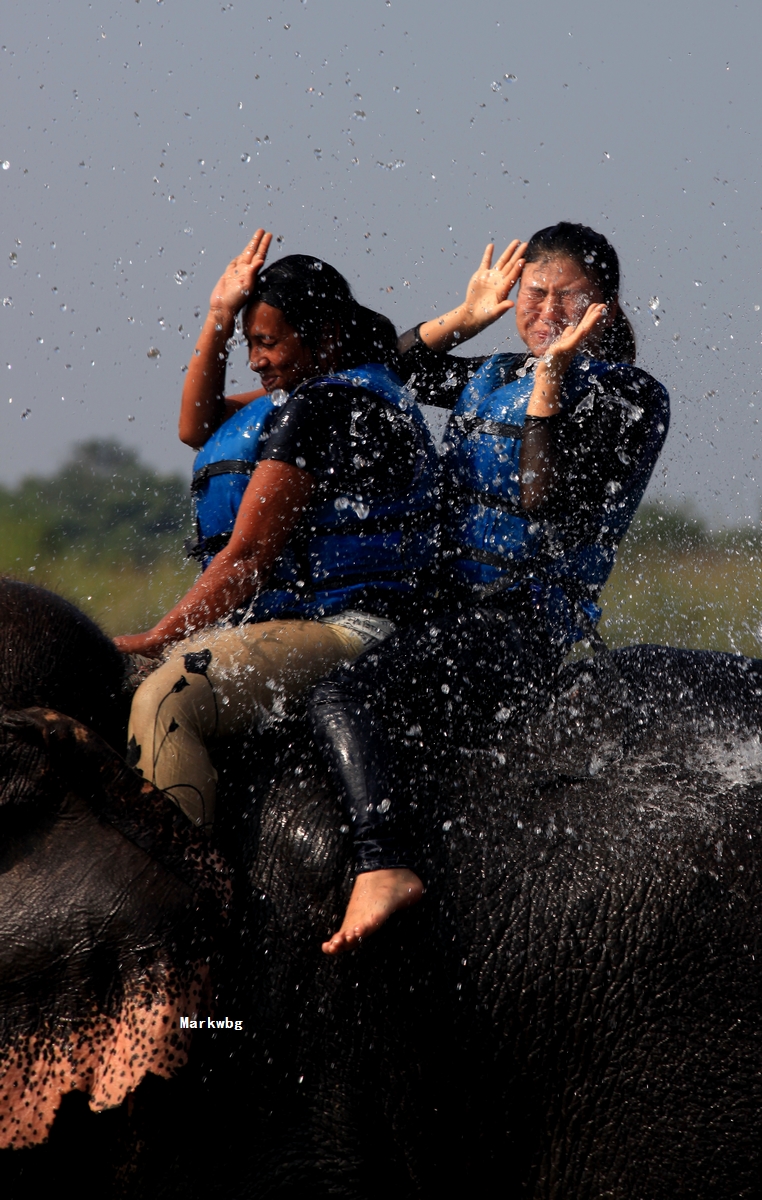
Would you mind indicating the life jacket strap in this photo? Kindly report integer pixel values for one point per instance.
(470, 423)
(489, 559)
(489, 500)
(514, 573)
(228, 466)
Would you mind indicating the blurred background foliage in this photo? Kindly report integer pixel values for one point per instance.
(107, 532)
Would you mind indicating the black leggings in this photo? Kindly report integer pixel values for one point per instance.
(440, 681)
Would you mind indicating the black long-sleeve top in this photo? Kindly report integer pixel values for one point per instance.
(574, 462)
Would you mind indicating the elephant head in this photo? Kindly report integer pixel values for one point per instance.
(109, 899)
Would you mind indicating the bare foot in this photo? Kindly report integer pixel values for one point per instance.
(375, 896)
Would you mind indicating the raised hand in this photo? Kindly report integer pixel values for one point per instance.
(560, 352)
(545, 398)
(489, 287)
(234, 286)
(486, 300)
(203, 405)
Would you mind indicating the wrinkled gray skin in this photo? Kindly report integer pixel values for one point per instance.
(573, 1011)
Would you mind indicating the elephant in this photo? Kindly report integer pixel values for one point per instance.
(109, 900)
(573, 1010)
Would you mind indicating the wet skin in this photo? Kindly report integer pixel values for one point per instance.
(375, 896)
(554, 295)
(276, 352)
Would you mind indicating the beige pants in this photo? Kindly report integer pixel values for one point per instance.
(227, 681)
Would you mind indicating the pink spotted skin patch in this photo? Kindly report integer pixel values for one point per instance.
(106, 1057)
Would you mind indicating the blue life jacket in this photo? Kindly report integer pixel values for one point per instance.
(351, 550)
(494, 545)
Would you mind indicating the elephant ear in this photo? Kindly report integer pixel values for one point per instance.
(45, 754)
(26, 772)
(110, 905)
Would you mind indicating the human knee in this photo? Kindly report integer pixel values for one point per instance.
(169, 694)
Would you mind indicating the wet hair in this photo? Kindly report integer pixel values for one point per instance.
(314, 297)
(598, 259)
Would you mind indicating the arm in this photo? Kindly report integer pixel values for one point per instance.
(486, 300)
(601, 448)
(203, 407)
(538, 461)
(437, 379)
(276, 497)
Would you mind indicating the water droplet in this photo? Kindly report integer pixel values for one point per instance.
(154, 352)
(653, 303)
(446, 825)
(40, 340)
(697, 283)
(495, 86)
(446, 689)
(279, 398)
(180, 276)
(359, 115)
(511, 78)
(318, 153)
(7, 302)
(13, 258)
(6, 164)
(756, 307)
(245, 158)
(130, 418)
(26, 413)
(171, 199)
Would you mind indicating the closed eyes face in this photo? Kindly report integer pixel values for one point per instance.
(276, 351)
(554, 294)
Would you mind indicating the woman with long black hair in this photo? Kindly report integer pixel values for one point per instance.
(547, 456)
(315, 503)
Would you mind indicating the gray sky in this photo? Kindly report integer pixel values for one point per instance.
(142, 142)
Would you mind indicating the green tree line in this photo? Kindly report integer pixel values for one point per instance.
(103, 503)
(107, 531)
